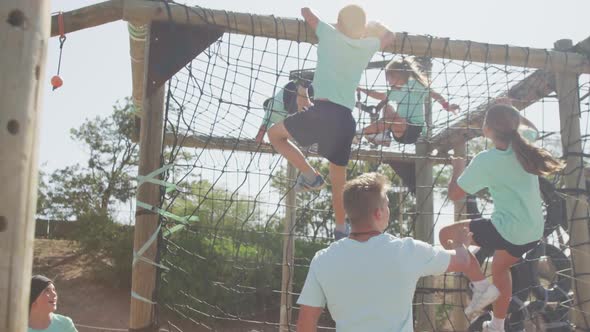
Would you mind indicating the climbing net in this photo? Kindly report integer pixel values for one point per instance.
(224, 227)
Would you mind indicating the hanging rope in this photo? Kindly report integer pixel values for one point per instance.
(56, 80)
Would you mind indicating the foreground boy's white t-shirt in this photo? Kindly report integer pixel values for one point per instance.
(369, 286)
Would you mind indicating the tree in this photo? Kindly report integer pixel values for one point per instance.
(315, 214)
(108, 174)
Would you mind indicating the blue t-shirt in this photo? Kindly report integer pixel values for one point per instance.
(58, 323)
(518, 214)
(369, 286)
(410, 100)
(341, 61)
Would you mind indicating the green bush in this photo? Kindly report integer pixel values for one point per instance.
(110, 245)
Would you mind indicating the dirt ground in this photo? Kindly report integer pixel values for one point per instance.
(95, 307)
(88, 303)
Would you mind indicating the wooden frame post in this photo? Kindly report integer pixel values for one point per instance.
(288, 254)
(424, 221)
(457, 281)
(24, 33)
(142, 313)
(574, 179)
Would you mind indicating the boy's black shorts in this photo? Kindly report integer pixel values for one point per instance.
(411, 134)
(486, 236)
(329, 125)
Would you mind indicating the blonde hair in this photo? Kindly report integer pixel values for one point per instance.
(408, 67)
(503, 121)
(363, 195)
(352, 21)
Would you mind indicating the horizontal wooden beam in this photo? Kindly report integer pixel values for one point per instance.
(527, 92)
(248, 145)
(140, 11)
(87, 17)
(530, 90)
(296, 30)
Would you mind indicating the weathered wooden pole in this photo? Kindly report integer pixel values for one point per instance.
(424, 221)
(142, 313)
(574, 180)
(457, 281)
(24, 33)
(288, 253)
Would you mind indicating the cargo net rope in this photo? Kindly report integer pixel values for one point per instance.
(225, 196)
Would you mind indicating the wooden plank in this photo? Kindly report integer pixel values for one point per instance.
(87, 17)
(24, 34)
(143, 280)
(296, 30)
(574, 179)
(249, 145)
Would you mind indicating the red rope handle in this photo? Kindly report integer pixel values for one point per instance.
(60, 24)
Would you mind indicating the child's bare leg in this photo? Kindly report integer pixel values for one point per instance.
(399, 125)
(338, 178)
(279, 138)
(382, 124)
(503, 281)
(451, 232)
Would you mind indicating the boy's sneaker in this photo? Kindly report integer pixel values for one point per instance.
(481, 299)
(302, 185)
(487, 326)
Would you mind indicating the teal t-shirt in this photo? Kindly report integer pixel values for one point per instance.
(275, 110)
(369, 286)
(341, 61)
(410, 101)
(518, 214)
(58, 323)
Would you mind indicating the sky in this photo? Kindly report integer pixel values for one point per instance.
(96, 66)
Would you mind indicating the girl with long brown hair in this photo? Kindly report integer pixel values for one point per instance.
(510, 171)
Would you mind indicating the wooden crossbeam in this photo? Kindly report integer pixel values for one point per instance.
(249, 145)
(297, 30)
(88, 17)
(536, 86)
(527, 92)
(141, 11)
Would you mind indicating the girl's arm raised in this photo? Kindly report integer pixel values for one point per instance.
(373, 94)
(445, 104)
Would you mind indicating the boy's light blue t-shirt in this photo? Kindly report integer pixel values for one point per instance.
(369, 286)
(275, 110)
(518, 214)
(410, 101)
(59, 323)
(341, 61)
